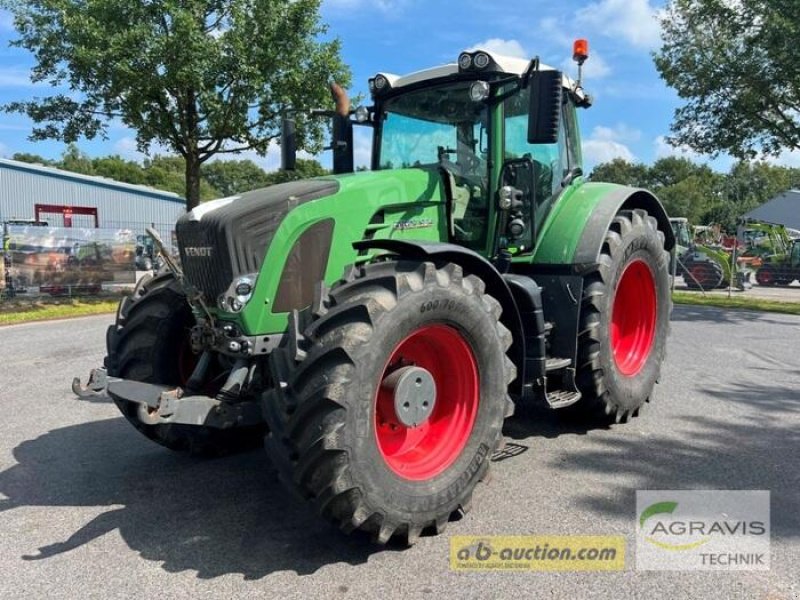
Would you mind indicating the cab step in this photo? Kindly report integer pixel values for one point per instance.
(556, 364)
(562, 398)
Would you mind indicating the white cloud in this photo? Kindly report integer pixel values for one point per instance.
(126, 147)
(789, 158)
(15, 78)
(633, 20)
(13, 127)
(664, 149)
(502, 47)
(607, 143)
(594, 68)
(620, 132)
(554, 31)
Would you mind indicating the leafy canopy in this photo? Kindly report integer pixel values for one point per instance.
(198, 77)
(734, 63)
(700, 194)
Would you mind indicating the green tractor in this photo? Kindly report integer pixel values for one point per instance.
(704, 266)
(701, 266)
(377, 328)
(780, 269)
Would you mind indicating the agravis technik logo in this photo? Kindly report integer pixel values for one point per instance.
(702, 530)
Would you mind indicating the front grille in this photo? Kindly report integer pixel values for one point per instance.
(221, 244)
(210, 274)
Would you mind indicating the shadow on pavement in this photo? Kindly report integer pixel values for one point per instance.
(221, 516)
(755, 448)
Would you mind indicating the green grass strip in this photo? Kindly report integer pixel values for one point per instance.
(742, 302)
(12, 313)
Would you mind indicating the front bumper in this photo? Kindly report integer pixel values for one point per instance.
(162, 405)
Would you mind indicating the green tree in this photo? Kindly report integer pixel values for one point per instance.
(621, 171)
(304, 169)
(31, 158)
(692, 196)
(166, 173)
(200, 77)
(119, 169)
(231, 177)
(671, 170)
(72, 159)
(735, 65)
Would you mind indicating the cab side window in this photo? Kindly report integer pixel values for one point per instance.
(551, 162)
(573, 137)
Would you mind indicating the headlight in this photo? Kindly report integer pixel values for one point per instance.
(479, 91)
(482, 60)
(362, 114)
(238, 293)
(464, 61)
(381, 82)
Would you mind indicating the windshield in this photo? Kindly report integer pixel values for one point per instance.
(434, 124)
(441, 126)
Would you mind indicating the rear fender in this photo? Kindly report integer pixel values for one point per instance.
(573, 233)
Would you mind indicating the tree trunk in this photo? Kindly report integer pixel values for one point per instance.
(192, 181)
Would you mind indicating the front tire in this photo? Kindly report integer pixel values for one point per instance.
(347, 445)
(624, 319)
(149, 342)
(767, 276)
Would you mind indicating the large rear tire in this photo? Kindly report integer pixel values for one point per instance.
(624, 319)
(345, 443)
(149, 342)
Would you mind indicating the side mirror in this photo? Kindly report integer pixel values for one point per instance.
(288, 144)
(342, 145)
(544, 112)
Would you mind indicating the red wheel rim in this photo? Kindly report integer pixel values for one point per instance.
(633, 318)
(423, 452)
(699, 274)
(765, 277)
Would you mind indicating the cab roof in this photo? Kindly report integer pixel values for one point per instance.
(499, 64)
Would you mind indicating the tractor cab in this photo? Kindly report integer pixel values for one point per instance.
(501, 131)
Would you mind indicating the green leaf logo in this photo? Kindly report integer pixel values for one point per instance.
(657, 509)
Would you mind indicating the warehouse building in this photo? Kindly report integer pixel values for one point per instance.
(64, 199)
(783, 209)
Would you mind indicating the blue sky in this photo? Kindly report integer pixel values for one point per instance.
(632, 111)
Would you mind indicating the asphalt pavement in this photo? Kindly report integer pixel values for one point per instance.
(91, 509)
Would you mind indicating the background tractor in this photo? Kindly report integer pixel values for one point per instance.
(782, 268)
(701, 266)
(379, 327)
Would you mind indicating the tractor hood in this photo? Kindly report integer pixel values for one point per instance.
(295, 234)
(224, 239)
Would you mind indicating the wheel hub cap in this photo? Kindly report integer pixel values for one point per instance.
(414, 393)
